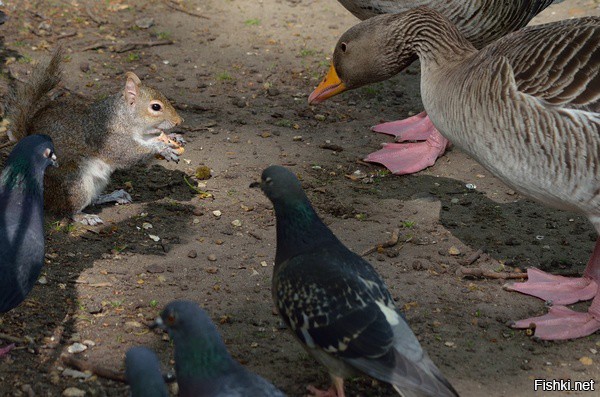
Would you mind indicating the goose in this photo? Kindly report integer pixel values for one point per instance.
(482, 22)
(526, 107)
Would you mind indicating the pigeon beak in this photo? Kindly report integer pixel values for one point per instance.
(158, 323)
(53, 161)
(330, 86)
(256, 184)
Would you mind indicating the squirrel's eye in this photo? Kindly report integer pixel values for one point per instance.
(156, 107)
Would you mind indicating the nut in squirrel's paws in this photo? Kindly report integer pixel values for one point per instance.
(175, 142)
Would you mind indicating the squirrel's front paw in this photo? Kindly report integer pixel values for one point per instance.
(88, 219)
(169, 154)
(177, 138)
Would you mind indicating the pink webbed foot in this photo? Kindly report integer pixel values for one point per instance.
(415, 128)
(557, 290)
(563, 323)
(407, 158)
(5, 350)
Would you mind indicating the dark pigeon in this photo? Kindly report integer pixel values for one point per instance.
(142, 370)
(336, 304)
(203, 365)
(22, 218)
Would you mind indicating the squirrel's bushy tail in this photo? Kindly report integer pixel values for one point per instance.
(26, 99)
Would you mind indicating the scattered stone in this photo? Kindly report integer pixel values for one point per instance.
(264, 264)
(272, 91)
(73, 392)
(77, 348)
(43, 280)
(236, 223)
(212, 257)
(240, 102)
(89, 343)
(217, 213)
(320, 117)
(146, 226)
(144, 23)
(154, 237)
(71, 373)
(298, 138)
(453, 251)
(94, 308)
(84, 67)
(212, 270)
(586, 360)
(449, 344)
(192, 254)
(132, 325)
(155, 268)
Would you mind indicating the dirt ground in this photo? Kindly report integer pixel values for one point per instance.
(241, 78)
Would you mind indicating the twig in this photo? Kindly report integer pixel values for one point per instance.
(174, 6)
(93, 17)
(484, 273)
(471, 258)
(14, 339)
(95, 46)
(65, 35)
(390, 243)
(141, 44)
(83, 366)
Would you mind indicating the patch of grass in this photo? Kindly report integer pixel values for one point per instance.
(163, 35)
(19, 44)
(224, 76)
(117, 303)
(284, 123)
(306, 52)
(361, 217)
(25, 59)
(252, 22)
(133, 57)
(153, 303)
(408, 224)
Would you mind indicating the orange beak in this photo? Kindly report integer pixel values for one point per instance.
(330, 86)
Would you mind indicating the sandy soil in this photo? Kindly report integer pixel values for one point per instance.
(241, 79)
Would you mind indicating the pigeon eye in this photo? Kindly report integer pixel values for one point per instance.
(48, 153)
(156, 107)
(171, 319)
(343, 47)
(269, 180)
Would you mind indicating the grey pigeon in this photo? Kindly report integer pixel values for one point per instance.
(22, 218)
(142, 370)
(203, 365)
(336, 304)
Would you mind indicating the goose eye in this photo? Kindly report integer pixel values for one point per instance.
(156, 107)
(343, 47)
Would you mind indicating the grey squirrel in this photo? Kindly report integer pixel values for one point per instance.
(92, 140)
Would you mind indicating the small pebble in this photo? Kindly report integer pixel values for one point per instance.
(217, 213)
(211, 257)
(153, 237)
(77, 348)
(192, 254)
(43, 280)
(236, 223)
(73, 392)
(71, 373)
(144, 23)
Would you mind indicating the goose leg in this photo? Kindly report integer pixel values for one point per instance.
(562, 323)
(415, 128)
(560, 290)
(407, 158)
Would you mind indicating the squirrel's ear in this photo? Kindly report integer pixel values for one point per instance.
(132, 87)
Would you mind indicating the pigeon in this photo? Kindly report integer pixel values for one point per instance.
(203, 365)
(336, 304)
(22, 218)
(142, 370)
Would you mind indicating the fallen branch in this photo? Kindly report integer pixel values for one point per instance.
(83, 366)
(484, 273)
(141, 44)
(390, 243)
(471, 258)
(177, 7)
(65, 35)
(96, 46)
